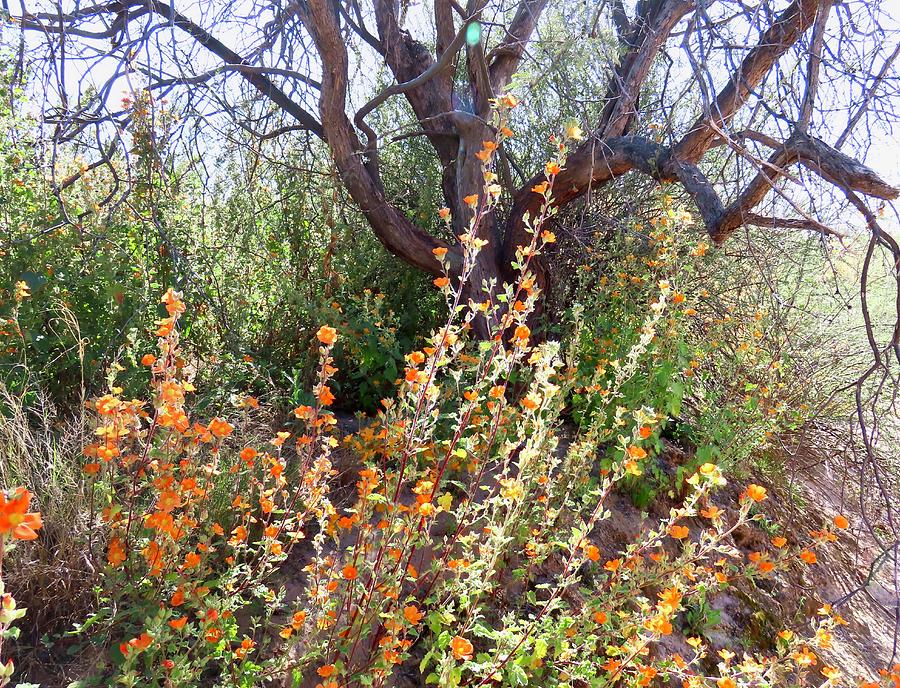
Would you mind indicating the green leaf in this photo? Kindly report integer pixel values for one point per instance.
(516, 675)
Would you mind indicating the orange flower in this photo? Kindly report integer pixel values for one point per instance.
(440, 251)
(726, 682)
(441, 282)
(659, 624)
(246, 645)
(444, 213)
(779, 541)
(522, 332)
(172, 299)
(177, 598)
(281, 437)
(804, 657)
(592, 553)
(645, 431)
(831, 673)
(670, 600)
(613, 565)
(540, 188)
(168, 500)
(841, 521)
(349, 572)
(599, 617)
(755, 492)
(15, 517)
(165, 327)
(179, 623)
(496, 392)
(142, 642)
(509, 101)
(531, 401)
(303, 411)
(611, 666)
(220, 428)
(808, 556)
(471, 200)
(636, 452)
(325, 671)
(413, 614)
(213, 635)
(238, 535)
(115, 553)
(327, 335)
(325, 396)
(148, 359)
(552, 168)
(679, 532)
(633, 468)
(461, 648)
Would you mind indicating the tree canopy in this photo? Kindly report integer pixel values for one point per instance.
(723, 99)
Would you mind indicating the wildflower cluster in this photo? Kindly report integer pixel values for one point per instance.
(197, 525)
(466, 539)
(710, 377)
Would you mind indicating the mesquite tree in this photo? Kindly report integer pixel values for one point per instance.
(735, 95)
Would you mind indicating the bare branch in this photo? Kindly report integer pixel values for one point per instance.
(870, 94)
(398, 234)
(650, 33)
(774, 43)
(433, 71)
(812, 70)
(251, 74)
(819, 157)
(408, 59)
(505, 58)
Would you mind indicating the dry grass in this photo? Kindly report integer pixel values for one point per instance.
(52, 576)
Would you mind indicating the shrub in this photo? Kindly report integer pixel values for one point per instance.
(469, 546)
(718, 373)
